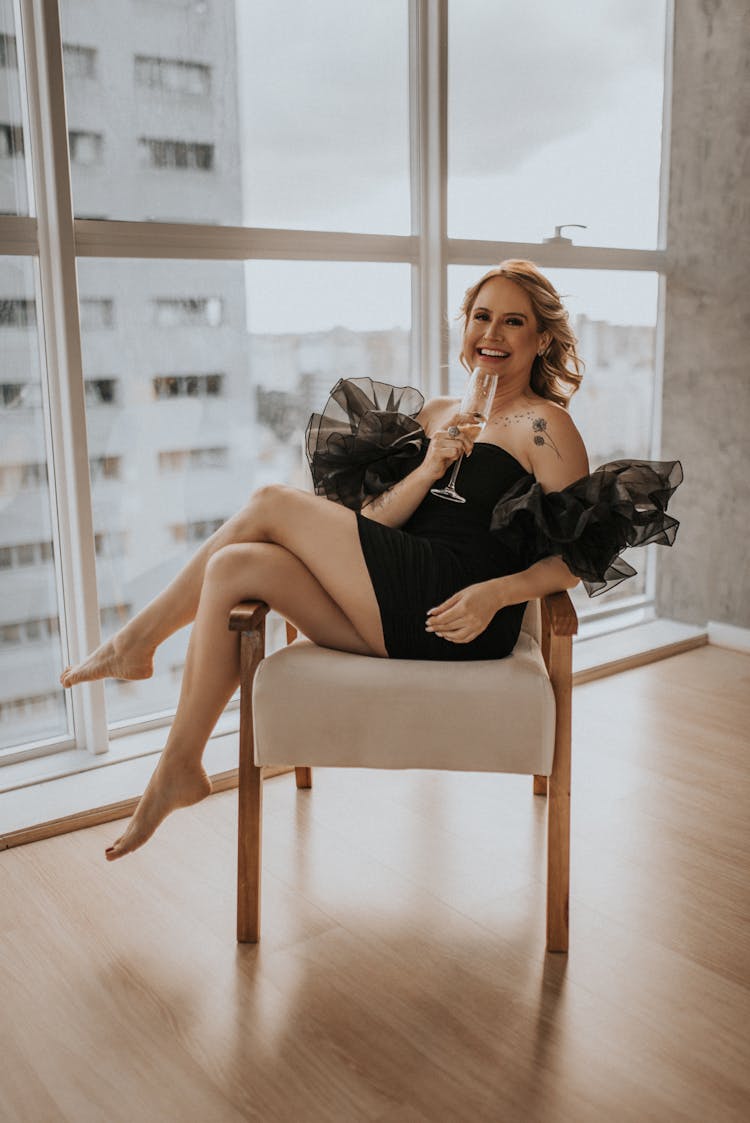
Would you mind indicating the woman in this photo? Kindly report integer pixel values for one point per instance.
(454, 582)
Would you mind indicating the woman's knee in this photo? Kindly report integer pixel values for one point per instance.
(227, 562)
(250, 563)
(264, 506)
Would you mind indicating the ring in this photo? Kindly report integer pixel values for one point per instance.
(454, 431)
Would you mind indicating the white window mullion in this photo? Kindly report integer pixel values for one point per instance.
(429, 69)
(62, 341)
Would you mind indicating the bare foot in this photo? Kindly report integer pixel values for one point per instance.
(114, 659)
(174, 784)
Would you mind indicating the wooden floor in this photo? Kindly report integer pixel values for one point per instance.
(402, 976)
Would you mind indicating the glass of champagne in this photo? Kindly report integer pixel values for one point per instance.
(474, 412)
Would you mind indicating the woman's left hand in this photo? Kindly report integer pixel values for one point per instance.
(466, 614)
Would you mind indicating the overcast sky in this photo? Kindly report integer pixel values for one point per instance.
(555, 116)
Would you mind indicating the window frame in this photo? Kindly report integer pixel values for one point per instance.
(57, 240)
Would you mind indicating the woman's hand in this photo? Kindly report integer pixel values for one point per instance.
(466, 614)
(446, 445)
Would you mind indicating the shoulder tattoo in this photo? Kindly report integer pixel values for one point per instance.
(542, 436)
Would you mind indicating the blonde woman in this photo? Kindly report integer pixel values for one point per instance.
(387, 569)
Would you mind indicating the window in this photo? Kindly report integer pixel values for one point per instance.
(11, 140)
(12, 394)
(28, 563)
(17, 313)
(101, 391)
(196, 531)
(188, 385)
(200, 371)
(96, 313)
(85, 148)
(172, 75)
(347, 167)
(105, 467)
(79, 62)
(111, 543)
(180, 154)
(178, 460)
(8, 52)
(579, 139)
(29, 630)
(200, 311)
(25, 554)
(18, 477)
(113, 616)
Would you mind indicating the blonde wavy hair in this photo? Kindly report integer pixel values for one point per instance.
(557, 373)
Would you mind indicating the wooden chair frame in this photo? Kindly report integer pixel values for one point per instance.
(559, 625)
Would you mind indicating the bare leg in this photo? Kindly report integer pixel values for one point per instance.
(212, 668)
(322, 534)
(130, 653)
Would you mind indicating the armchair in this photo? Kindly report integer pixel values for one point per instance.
(514, 715)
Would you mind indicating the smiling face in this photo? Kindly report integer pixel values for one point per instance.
(501, 333)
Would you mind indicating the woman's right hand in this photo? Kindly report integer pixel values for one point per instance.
(445, 449)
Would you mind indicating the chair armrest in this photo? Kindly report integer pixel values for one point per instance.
(559, 615)
(248, 615)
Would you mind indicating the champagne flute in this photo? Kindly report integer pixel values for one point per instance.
(474, 412)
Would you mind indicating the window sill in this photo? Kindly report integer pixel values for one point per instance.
(51, 795)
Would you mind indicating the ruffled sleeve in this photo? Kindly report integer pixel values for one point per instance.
(365, 440)
(590, 522)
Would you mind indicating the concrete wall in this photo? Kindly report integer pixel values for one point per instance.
(706, 400)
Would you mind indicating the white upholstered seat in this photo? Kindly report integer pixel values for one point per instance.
(352, 711)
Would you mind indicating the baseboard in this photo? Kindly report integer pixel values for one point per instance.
(634, 646)
(729, 635)
(109, 813)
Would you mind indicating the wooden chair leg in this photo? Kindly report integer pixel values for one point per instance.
(558, 808)
(250, 795)
(303, 776)
(540, 785)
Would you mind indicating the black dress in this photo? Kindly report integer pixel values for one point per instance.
(366, 440)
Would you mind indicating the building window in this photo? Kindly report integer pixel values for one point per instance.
(29, 631)
(85, 148)
(180, 154)
(177, 460)
(188, 385)
(96, 313)
(101, 391)
(196, 312)
(17, 477)
(111, 543)
(25, 554)
(113, 616)
(197, 531)
(8, 52)
(17, 313)
(172, 75)
(30, 705)
(105, 468)
(12, 394)
(11, 140)
(79, 62)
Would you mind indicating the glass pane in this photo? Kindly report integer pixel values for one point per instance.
(14, 195)
(613, 315)
(240, 112)
(200, 378)
(555, 114)
(32, 704)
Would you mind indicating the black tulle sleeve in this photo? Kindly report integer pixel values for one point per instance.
(365, 440)
(590, 522)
